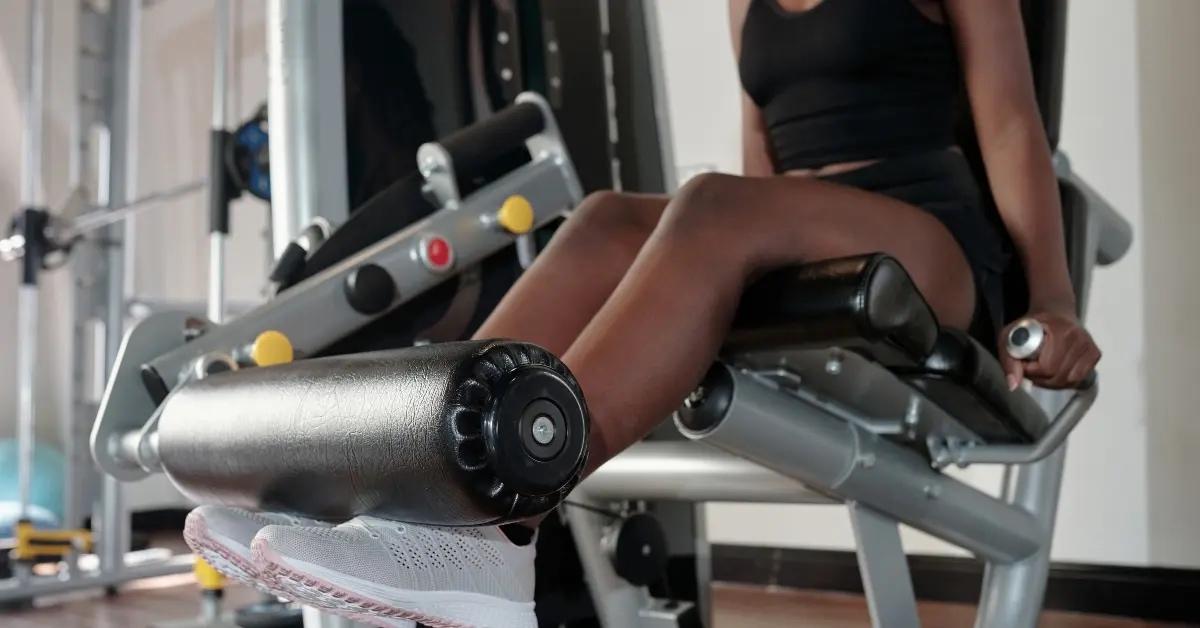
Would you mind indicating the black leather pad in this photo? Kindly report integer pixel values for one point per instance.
(866, 303)
(968, 382)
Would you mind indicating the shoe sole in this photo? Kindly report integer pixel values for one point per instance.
(218, 550)
(312, 584)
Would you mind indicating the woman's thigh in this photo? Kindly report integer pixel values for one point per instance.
(765, 223)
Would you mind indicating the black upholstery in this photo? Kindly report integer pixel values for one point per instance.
(867, 303)
(965, 380)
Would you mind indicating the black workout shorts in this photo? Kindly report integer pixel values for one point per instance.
(941, 183)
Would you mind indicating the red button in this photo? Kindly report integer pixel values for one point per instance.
(437, 253)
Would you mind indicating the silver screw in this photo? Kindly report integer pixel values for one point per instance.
(543, 430)
(502, 37)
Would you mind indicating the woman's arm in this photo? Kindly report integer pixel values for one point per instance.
(995, 61)
(756, 153)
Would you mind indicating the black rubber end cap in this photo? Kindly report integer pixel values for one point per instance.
(709, 403)
(369, 289)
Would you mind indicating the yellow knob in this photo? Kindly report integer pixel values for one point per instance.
(271, 347)
(515, 215)
(208, 578)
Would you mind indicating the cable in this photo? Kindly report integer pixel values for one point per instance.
(596, 509)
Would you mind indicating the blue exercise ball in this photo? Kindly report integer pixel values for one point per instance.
(46, 488)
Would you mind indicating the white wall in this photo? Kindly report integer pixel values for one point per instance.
(1104, 513)
(1169, 41)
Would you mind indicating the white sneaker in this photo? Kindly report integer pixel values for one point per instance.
(441, 577)
(221, 536)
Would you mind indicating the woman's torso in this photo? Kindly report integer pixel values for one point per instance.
(846, 83)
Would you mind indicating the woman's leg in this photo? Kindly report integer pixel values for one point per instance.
(661, 328)
(650, 341)
(556, 297)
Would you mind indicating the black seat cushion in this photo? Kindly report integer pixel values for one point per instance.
(968, 382)
(866, 303)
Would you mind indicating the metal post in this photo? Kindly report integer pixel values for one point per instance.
(307, 112)
(27, 297)
(35, 92)
(119, 161)
(219, 193)
(617, 602)
(1012, 593)
(884, 569)
(662, 108)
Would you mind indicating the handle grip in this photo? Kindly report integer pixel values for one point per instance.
(478, 146)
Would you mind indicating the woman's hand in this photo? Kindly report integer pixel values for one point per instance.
(1067, 355)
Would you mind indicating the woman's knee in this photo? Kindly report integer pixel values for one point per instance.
(704, 214)
(610, 219)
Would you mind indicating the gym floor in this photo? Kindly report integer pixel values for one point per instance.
(174, 598)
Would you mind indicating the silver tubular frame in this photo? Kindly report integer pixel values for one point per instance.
(305, 104)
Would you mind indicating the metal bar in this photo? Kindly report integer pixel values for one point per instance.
(35, 94)
(120, 164)
(27, 321)
(1012, 594)
(27, 307)
(662, 108)
(1055, 436)
(99, 217)
(40, 586)
(692, 472)
(307, 112)
(884, 568)
(217, 187)
(802, 441)
(617, 602)
(216, 277)
(704, 570)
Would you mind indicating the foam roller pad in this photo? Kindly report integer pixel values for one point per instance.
(441, 434)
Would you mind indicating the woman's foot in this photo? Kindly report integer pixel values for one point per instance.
(441, 577)
(222, 535)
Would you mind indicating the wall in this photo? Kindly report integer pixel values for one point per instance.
(1106, 477)
(1169, 32)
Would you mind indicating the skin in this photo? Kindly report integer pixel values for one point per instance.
(636, 292)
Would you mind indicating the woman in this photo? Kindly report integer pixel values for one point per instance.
(848, 149)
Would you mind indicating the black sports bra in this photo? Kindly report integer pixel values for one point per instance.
(849, 80)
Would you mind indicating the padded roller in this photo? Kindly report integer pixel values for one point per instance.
(465, 433)
(478, 146)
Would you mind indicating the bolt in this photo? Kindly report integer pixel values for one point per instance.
(696, 398)
(933, 492)
(833, 365)
(646, 550)
(543, 430)
(506, 74)
(913, 416)
(867, 461)
(502, 37)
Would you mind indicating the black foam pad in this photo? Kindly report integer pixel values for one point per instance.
(867, 302)
(438, 434)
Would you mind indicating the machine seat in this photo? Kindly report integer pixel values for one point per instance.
(870, 305)
(967, 381)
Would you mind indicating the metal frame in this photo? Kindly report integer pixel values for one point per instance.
(307, 112)
(101, 172)
(123, 438)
